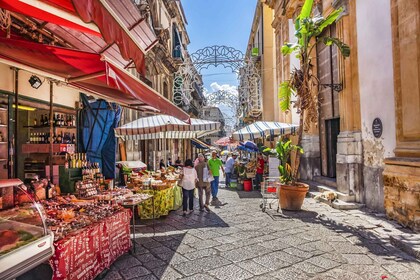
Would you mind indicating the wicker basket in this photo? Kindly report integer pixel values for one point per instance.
(250, 174)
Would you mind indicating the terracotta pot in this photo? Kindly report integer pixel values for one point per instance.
(292, 197)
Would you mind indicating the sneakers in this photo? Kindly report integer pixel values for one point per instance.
(184, 213)
(207, 208)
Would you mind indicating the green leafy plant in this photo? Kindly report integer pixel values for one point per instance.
(302, 82)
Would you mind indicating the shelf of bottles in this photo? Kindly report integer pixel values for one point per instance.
(3, 143)
(61, 122)
(92, 177)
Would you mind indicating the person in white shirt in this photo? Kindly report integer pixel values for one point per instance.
(189, 180)
(229, 166)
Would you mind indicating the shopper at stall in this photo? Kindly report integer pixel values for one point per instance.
(178, 162)
(229, 165)
(189, 180)
(260, 171)
(215, 164)
(162, 164)
(203, 183)
(169, 162)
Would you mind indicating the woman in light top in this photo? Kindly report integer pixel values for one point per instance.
(189, 179)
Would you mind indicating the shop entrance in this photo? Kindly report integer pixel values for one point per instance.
(332, 128)
(329, 113)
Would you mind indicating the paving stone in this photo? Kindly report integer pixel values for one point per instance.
(165, 272)
(112, 275)
(153, 264)
(396, 268)
(201, 265)
(271, 261)
(253, 267)
(199, 277)
(145, 258)
(276, 244)
(201, 253)
(285, 256)
(239, 255)
(370, 272)
(338, 274)
(134, 272)
(309, 268)
(204, 244)
(289, 273)
(151, 244)
(298, 253)
(230, 272)
(126, 262)
(161, 250)
(357, 259)
(323, 262)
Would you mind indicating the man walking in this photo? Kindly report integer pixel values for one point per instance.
(203, 184)
(215, 164)
(229, 165)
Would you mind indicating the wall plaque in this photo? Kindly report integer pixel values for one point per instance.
(377, 127)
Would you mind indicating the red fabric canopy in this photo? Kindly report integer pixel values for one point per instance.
(119, 22)
(32, 11)
(88, 71)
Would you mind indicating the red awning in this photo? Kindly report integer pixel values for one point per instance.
(119, 21)
(88, 71)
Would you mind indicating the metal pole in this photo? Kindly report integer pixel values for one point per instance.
(51, 130)
(15, 136)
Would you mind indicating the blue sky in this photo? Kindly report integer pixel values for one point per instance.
(219, 22)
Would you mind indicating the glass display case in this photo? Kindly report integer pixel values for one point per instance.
(25, 241)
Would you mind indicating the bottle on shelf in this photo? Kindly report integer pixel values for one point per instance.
(62, 120)
(73, 121)
(48, 190)
(35, 122)
(73, 139)
(42, 120)
(1, 137)
(46, 120)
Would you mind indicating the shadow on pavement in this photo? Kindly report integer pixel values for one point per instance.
(359, 236)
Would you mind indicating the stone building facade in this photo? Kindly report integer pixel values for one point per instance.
(379, 83)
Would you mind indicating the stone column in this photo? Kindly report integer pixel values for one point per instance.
(349, 142)
(402, 174)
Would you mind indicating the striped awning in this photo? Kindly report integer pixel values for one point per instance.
(264, 129)
(200, 144)
(163, 126)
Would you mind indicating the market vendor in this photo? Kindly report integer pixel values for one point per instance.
(259, 171)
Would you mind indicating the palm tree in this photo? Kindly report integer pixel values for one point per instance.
(302, 81)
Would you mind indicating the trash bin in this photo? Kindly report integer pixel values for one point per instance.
(247, 185)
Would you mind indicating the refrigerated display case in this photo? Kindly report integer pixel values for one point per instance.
(25, 241)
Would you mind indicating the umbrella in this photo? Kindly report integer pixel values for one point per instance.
(225, 141)
(248, 146)
(225, 152)
(263, 129)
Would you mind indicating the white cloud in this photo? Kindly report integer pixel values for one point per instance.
(225, 87)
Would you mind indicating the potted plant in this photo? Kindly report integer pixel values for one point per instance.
(302, 84)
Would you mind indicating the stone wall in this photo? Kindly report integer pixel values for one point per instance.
(402, 191)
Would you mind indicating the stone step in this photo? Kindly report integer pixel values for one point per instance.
(336, 204)
(326, 181)
(315, 186)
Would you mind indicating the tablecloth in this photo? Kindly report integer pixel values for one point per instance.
(87, 252)
(164, 201)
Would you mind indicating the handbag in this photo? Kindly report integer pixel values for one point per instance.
(207, 177)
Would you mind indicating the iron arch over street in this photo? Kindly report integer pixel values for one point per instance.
(188, 79)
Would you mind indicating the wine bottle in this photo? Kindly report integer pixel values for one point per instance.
(48, 190)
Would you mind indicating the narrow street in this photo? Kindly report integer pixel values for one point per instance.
(238, 241)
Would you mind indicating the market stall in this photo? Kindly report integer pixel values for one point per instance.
(263, 129)
(167, 195)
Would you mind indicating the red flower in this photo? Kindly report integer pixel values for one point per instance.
(384, 277)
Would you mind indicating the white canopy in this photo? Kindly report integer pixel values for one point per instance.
(262, 129)
(164, 126)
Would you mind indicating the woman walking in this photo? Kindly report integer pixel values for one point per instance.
(189, 179)
(203, 183)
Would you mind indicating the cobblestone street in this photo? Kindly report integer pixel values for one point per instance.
(239, 241)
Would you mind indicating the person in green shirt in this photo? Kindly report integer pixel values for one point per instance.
(215, 164)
